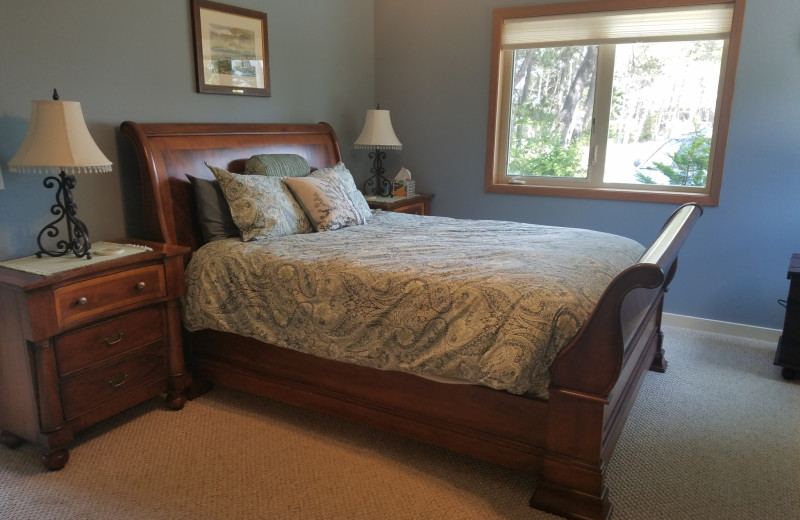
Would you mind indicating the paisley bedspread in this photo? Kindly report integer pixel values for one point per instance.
(482, 302)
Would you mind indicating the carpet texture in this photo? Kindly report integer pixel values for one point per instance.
(716, 437)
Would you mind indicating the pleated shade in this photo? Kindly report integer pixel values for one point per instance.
(378, 132)
(58, 140)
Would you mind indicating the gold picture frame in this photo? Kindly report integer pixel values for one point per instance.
(230, 49)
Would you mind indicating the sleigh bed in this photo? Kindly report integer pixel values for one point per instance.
(564, 435)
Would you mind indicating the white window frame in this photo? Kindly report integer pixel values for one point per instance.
(497, 180)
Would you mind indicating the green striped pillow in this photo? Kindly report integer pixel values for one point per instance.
(277, 165)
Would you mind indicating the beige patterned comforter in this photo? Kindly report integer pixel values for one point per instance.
(483, 302)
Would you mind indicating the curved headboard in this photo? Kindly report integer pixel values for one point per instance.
(167, 152)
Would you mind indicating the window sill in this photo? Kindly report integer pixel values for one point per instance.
(604, 193)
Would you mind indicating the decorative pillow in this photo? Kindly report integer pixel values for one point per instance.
(355, 196)
(262, 207)
(213, 212)
(277, 165)
(325, 201)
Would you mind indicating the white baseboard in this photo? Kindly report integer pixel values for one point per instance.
(722, 327)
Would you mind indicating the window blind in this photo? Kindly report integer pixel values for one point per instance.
(700, 22)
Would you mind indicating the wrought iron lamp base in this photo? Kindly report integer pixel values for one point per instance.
(77, 241)
(377, 182)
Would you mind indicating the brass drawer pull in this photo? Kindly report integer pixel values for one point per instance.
(114, 341)
(118, 381)
(82, 300)
(140, 285)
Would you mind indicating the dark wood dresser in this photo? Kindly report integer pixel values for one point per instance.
(81, 345)
(788, 353)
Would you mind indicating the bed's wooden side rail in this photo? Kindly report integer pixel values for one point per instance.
(592, 362)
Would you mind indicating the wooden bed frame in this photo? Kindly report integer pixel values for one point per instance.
(565, 441)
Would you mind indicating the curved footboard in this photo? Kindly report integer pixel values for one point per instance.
(594, 380)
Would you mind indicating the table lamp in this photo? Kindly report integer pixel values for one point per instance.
(378, 134)
(58, 141)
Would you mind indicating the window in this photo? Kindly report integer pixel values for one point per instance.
(606, 99)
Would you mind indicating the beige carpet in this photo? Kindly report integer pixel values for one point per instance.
(716, 437)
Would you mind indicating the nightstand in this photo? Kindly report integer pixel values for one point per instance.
(788, 353)
(83, 344)
(419, 204)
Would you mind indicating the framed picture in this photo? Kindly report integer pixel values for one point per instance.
(230, 49)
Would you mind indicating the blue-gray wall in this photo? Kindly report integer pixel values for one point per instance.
(426, 61)
(432, 72)
(126, 59)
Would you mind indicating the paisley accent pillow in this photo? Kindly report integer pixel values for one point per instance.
(355, 196)
(262, 207)
(325, 201)
(277, 165)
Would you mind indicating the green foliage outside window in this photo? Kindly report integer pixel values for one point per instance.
(551, 111)
(546, 155)
(689, 164)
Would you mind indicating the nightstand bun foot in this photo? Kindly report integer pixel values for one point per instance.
(54, 460)
(10, 440)
(175, 401)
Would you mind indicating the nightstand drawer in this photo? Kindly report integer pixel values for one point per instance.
(417, 208)
(85, 299)
(91, 345)
(81, 394)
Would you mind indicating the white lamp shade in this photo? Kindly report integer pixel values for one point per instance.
(58, 140)
(378, 132)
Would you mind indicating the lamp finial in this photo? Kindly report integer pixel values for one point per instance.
(55, 95)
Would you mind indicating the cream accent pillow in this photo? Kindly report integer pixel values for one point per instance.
(355, 196)
(325, 201)
(261, 207)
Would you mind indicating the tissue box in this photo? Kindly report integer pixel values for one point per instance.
(404, 188)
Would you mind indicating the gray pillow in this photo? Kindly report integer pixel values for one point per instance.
(213, 212)
(277, 165)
